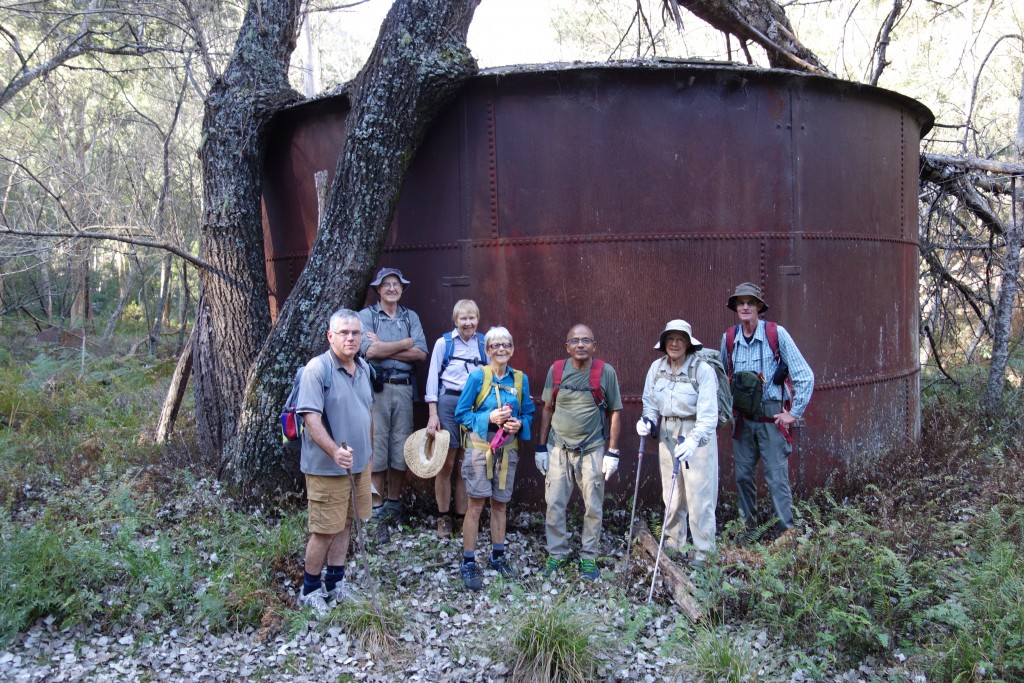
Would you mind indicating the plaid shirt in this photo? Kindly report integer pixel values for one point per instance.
(756, 356)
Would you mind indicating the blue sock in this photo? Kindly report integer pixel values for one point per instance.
(333, 576)
(310, 583)
(497, 550)
(468, 556)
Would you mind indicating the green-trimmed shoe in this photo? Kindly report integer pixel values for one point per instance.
(588, 569)
(552, 565)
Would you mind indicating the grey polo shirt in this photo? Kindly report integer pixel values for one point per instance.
(405, 324)
(346, 405)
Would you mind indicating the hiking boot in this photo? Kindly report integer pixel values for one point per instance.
(381, 533)
(471, 576)
(391, 510)
(588, 569)
(341, 593)
(552, 565)
(499, 565)
(315, 601)
(444, 526)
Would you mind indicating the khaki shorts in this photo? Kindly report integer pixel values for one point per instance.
(474, 471)
(330, 501)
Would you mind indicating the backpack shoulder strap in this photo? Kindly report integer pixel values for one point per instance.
(596, 368)
(730, 345)
(328, 370)
(771, 331)
(481, 347)
(403, 314)
(517, 382)
(484, 388)
(557, 368)
(449, 351)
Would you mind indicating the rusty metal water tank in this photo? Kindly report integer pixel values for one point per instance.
(623, 196)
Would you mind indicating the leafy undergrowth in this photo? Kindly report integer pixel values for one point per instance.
(913, 566)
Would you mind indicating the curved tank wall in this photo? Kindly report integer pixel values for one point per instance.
(625, 196)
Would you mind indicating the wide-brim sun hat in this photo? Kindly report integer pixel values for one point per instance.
(384, 272)
(678, 325)
(747, 289)
(425, 455)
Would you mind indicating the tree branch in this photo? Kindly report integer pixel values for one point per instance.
(197, 262)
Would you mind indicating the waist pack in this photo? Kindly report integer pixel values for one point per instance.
(747, 390)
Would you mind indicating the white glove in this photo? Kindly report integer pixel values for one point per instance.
(685, 450)
(609, 465)
(540, 457)
(643, 427)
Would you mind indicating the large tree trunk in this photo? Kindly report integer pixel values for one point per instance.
(1003, 318)
(234, 315)
(418, 65)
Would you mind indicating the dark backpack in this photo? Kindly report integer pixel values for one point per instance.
(291, 422)
(449, 352)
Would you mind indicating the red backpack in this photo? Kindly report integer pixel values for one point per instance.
(558, 368)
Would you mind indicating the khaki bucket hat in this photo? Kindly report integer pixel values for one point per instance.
(747, 289)
(678, 326)
(425, 455)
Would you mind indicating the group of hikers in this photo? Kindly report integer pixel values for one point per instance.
(356, 401)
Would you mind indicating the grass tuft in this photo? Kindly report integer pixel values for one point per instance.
(376, 631)
(550, 642)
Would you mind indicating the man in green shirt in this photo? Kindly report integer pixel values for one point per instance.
(578, 445)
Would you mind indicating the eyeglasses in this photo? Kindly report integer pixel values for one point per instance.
(576, 341)
(500, 345)
(391, 285)
(347, 333)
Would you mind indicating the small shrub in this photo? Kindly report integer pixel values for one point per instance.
(842, 591)
(980, 626)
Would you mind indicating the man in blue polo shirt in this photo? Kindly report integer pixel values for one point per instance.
(334, 401)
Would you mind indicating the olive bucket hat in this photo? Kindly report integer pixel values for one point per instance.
(747, 289)
(678, 326)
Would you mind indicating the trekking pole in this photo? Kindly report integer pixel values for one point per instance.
(361, 538)
(632, 514)
(664, 523)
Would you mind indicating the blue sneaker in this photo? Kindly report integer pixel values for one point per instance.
(551, 566)
(588, 569)
(471, 576)
(499, 565)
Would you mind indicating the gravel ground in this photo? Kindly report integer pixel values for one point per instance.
(449, 634)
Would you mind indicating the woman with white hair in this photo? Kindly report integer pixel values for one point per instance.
(496, 409)
(680, 407)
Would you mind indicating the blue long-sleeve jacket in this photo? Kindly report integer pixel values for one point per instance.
(478, 420)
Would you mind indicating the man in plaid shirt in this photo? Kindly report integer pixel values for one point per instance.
(765, 434)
